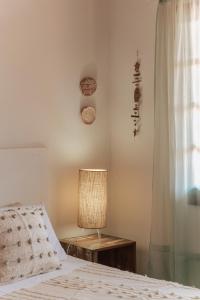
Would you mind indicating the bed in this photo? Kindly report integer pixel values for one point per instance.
(24, 176)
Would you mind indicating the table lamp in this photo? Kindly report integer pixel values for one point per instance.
(92, 199)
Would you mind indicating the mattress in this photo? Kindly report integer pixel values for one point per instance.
(80, 280)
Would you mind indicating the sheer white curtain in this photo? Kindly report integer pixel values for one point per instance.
(175, 236)
(187, 95)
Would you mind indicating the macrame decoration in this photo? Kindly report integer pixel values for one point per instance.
(137, 97)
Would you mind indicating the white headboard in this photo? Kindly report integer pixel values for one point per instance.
(23, 175)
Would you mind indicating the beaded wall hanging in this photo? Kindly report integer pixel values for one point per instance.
(137, 97)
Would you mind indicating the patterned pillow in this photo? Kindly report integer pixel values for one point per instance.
(25, 249)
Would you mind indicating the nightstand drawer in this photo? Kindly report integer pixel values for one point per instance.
(123, 258)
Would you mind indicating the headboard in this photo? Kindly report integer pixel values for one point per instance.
(23, 175)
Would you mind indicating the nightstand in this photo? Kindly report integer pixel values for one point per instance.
(111, 251)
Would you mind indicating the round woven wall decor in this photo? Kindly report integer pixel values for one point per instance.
(88, 86)
(88, 114)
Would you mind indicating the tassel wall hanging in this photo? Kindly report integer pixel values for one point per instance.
(137, 97)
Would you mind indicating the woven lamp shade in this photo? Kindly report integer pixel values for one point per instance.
(92, 198)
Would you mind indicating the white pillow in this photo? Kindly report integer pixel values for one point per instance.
(53, 237)
(26, 249)
(51, 233)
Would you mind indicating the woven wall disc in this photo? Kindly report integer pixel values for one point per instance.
(88, 114)
(88, 86)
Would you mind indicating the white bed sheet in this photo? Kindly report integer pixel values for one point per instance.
(68, 265)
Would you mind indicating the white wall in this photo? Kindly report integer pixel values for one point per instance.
(132, 27)
(46, 46)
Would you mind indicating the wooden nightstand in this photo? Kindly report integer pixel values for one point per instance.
(111, 251)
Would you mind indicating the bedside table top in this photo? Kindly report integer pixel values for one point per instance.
(92, 242)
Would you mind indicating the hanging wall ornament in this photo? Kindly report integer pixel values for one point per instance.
(137, 97)
(88, 114)
(88, 86)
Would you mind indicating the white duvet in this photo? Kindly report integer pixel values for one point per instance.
(80, 280)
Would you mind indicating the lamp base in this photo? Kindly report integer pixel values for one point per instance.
(99, 233)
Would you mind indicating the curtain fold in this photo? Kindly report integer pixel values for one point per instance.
(175, 233)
